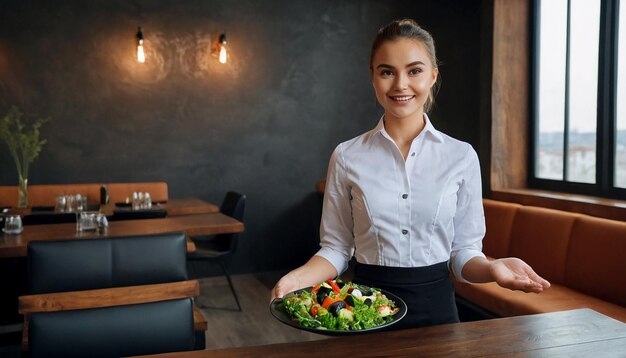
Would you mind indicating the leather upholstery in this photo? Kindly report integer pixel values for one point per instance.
(113, 262)
(499, 218)
(149, 328)
(595, 261)
(541, 236)
(507, 303)
(45, 195)
(581, 256)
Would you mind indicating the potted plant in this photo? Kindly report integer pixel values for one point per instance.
(24, 146)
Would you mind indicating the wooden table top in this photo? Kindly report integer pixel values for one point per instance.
(581, 332)
(174, 207)
(192, 225)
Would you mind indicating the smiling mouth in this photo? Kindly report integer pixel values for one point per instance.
(401, 99)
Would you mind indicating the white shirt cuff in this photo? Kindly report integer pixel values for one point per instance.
(336, 258)
(458, 261)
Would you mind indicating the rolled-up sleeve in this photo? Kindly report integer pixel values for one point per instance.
(336, 238)
(469, 219)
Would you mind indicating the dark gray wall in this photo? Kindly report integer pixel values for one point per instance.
(296, 85)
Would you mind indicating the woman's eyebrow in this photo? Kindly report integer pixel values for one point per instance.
(414, 64)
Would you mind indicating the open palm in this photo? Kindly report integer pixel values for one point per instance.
(515, 274)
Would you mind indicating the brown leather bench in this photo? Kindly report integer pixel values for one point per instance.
(45, 195)
(581, 256)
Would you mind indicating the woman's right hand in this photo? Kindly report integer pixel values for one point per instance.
(316, 270)
(286, 284)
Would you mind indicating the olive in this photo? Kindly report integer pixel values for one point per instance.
(368, 302)
(336, 307)
(340, 284)
(366, 291)
(350, 300)
(322, 293)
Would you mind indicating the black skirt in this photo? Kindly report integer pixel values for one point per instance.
(427, 291)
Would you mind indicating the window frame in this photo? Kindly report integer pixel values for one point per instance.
(606, 111)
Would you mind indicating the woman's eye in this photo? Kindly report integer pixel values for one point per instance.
(386, 73)
(415, 71)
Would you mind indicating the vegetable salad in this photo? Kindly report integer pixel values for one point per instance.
(336, 305)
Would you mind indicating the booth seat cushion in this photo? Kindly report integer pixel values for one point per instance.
(541, 237)
(596, 264)
(114, 262)
(499, 217)
(508, 303)
(148, 328)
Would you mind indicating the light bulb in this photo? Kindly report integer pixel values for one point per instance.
(223, 54)
(141, 56)
(219, 49)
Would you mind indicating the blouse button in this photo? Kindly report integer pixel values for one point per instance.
(404, 232)
(413, 154)
(404, 196)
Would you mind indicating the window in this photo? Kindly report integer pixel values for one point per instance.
(579, 98)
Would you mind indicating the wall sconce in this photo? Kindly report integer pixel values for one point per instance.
(141, 56)
(219, 50)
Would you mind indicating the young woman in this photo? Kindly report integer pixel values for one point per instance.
(405, 199)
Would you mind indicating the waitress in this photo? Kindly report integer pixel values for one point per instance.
(405, 199)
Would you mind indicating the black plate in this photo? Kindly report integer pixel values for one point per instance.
(278, 311)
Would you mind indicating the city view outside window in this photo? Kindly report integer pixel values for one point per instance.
(568, 45)
(620, 135)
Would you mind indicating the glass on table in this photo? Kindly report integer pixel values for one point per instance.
(60, 204)
(87, 220)
(13, 224)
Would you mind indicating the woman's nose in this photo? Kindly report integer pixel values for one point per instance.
(401, 82)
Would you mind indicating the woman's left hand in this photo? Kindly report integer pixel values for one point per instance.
(515, 274)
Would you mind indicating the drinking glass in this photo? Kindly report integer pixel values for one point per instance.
(87, 221)
(60, 204)
(70, 203)
(13, 224)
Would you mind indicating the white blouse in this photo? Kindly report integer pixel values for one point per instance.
(390, 212)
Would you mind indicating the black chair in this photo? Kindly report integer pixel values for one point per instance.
(220, 248)
(125, 214)
(111, 322)
(78, 265)
(42, 218)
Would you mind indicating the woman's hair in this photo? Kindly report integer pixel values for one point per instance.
(408, 29)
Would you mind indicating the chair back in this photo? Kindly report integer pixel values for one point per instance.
(69, 265)
(119, 331)
(234, 206)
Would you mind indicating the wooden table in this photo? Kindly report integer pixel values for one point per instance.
(580, 333)
(193, 225)
(174, 207)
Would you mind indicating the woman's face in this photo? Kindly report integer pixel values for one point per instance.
(402, 75)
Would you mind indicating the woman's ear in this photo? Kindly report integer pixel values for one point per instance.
(435, 75)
